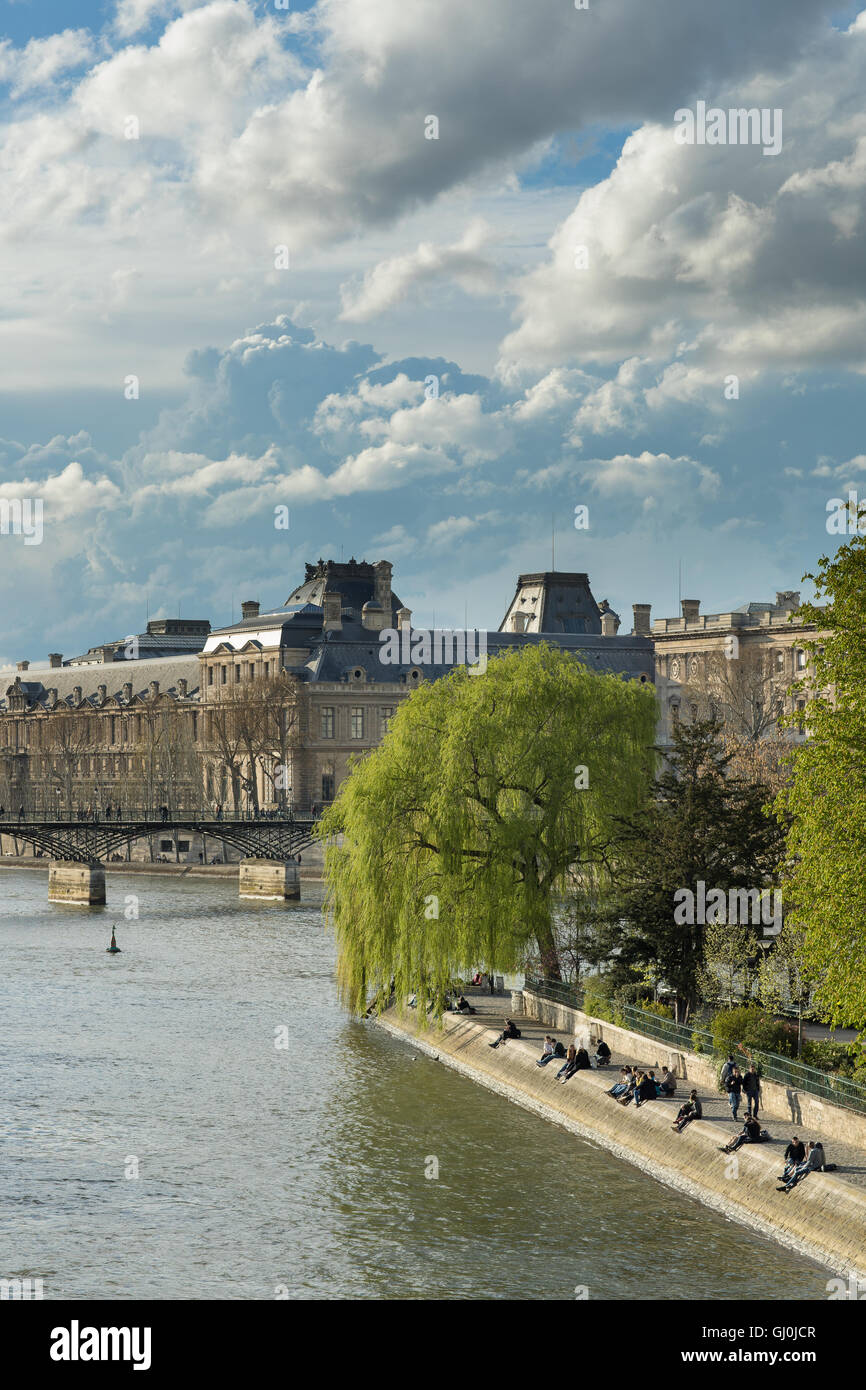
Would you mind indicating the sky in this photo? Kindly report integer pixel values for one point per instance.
(431, 276)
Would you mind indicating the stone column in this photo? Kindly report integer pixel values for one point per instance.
(82, 885)
(270, 879)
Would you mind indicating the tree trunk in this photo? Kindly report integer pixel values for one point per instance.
(550, 966)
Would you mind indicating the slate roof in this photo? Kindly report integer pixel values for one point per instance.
(335, 657)
(37, 681)
(566, 603)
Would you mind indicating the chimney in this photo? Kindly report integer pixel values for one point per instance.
(404, 617)
(382, 585)
(691, 608)
(76, 694)
(641, 613)
(609, 619)
(55, 658)
(332, 604)
(23, 665)
(250, 608)
(127, 692)
(153, 688)
(373, 616)
(181, 688)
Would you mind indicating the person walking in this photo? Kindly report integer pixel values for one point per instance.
(752, 1090)
(20, 814)
(734, 1088)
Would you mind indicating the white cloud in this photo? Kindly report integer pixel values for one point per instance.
(41, 61)
(709, 261)
(647, 476)
(392, 281)
(66, 494)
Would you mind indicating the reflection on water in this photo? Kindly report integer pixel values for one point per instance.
(301, 1165)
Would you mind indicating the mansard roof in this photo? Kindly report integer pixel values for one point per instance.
(334, 659)
(168, 670)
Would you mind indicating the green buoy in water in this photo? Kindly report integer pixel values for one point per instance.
(113, 949)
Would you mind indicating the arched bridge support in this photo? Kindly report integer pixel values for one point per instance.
(270, 880)
(80, 885)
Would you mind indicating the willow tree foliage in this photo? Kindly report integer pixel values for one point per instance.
(457, 832)
(826, 799)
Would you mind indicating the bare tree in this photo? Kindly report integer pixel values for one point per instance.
(746, 692)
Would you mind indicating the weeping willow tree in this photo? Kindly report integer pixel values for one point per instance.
(447, 846)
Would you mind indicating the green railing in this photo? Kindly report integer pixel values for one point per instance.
(838, 1090)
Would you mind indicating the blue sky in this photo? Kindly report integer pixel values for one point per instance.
(260, 384)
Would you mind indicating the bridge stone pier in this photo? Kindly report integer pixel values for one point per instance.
(82, 885)
(269, 879)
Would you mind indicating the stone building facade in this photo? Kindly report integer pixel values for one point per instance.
(267, 713)
(738, 665)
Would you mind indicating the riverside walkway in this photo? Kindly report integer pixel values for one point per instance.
(492, 1011)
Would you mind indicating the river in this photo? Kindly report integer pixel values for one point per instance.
(296, 1170)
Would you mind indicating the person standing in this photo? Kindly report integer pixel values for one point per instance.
(752, 1090)
(734, 1088)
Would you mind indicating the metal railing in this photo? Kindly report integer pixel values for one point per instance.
(786, 1071)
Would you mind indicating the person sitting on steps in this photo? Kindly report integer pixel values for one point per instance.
(509, 1031)
(751, 1133)
(692, 1110)
(580, 1062)
(646, 1090)
(602, 1054)
(668, 1084)
(625, 1075)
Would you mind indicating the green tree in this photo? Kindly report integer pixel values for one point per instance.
(730, 960)
(826, 800)
(458, 832)
(785, 978)
(705, 824)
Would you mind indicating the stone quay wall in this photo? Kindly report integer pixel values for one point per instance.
(823, 1217)
(796, 1107)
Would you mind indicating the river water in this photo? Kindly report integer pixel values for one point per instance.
(296, 1170)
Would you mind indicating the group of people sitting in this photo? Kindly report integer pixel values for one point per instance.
(639, 1086)
(799, 1163)
(574, 1059)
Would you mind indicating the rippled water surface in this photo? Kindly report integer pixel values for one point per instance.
(301, 1166)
